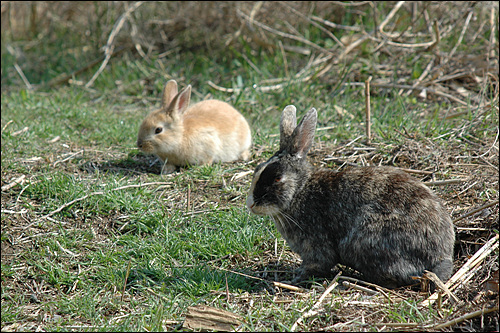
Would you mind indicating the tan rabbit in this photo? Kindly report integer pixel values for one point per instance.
(207, 132)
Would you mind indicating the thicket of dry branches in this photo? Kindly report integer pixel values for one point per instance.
(401, 34)
(455, 41)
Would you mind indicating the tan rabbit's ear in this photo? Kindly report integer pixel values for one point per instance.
(288, 123)
(169, 93)
(303, 135)
(180, 102)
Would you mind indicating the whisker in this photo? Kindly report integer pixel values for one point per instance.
(277, 220)
(290, 218)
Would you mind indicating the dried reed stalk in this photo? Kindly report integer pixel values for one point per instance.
(368, 110)
(456, 280)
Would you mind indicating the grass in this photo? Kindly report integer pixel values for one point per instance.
(95, 239)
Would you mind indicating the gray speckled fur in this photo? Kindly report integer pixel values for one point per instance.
(378, 220)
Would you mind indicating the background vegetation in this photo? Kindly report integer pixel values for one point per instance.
(95, 239)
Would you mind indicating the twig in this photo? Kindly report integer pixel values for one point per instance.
(434, 278)
(23, 77)
(344, 53)
(213, 85)
(240, 175)
(65, 78)
(472, 229)
(283, 55)
(329, 33)
(85, 197)
(61, 208)
(66, 250)
(423, 75)
(444, 182)
(380, 289)
(376, 286)
(284, 34)
(430, 45)
(16, 133)
(360, 288)
(8, 211)
(465, 317)
(140, 185)
(71, 202)
(437, 36)
(491, 147)
(158, 295)
(83, 327)
(368, 110)
(459, 41)
(5, 126)
(257, 87)
(287, 286)
(335, 25)
(313, 311)
(109, 45)
(338, 326)
(203, 262)
(16, 181)
(339, 161)
(403, 325)
(422, 172)
(254, 11)
(476, 210)
(69, 157)
(388, 18)
(275, 283)
(426, 44)
(196, 212)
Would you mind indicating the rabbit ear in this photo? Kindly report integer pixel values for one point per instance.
(169, 93)
(180, 102)
(287, 125)
(303, 135)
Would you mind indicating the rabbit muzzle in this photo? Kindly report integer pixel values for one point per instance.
(145, 145)
(250, 204)
(257, 209)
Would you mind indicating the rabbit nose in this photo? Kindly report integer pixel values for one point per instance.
(250, 202)
(139, 143)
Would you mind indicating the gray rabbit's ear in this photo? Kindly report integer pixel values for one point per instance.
(303, 135)
(287, 125)
(169, 93)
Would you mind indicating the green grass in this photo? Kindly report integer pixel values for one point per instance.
(135, 248)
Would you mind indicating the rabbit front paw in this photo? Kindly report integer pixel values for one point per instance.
(306, 271)
(168, 168)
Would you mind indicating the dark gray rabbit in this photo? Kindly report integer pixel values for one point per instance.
(378, 220)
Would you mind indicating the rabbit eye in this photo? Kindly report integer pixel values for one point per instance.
(277, 179)
(158, 130)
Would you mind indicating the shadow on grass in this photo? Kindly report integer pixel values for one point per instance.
(193, 281)
(132, 165)
(200, 280)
